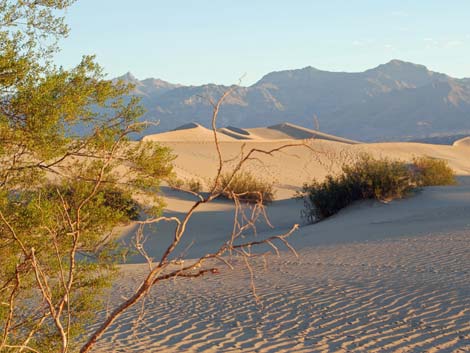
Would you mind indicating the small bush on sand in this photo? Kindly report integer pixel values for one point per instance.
(247, 187)
(175, 182)
(194, 185)
(431, 172)
(322, 200)
(368, 178)
(380, 179)
(371, 178)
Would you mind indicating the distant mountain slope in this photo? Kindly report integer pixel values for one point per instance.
(442, 140)
(394, 101)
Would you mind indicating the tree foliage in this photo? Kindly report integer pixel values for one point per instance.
(68, 177)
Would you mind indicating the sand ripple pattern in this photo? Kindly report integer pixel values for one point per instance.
(402, 295)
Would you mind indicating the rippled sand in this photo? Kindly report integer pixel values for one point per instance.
(406, 295)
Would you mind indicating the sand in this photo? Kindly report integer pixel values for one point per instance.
(377, 277)
(284, 131)
(290, 168)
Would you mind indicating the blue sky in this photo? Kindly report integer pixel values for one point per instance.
(201, 41)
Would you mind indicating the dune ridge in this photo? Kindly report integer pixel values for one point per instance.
(237, 133)
(464, 142)
(299, 132)
(197, 158)
(187, 132)
(285, 131)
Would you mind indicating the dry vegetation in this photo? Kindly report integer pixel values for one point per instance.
(371, 178)
(433, 172)
(246, 187)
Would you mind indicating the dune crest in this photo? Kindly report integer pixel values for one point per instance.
(237, 133)
(465, 142)
(187, 132)
(188, 126)
(285, 131)
(299, 132)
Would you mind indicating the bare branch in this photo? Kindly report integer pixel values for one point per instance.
(244, 220)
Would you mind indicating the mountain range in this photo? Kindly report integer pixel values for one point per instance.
(394, 101)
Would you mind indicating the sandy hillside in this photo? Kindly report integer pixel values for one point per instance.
(311, 155)
(376, 277)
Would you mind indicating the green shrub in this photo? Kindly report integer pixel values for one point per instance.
(324, 199)
(381, 179)
(371, 178)
(175, 182)
(194, 185)
(121, 201)
(367, 178)
(431, 172)
(246, 187)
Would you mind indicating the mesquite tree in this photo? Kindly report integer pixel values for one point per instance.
(67, 173)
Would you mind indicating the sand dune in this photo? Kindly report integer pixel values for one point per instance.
(376, 277)
(291, 131)
(289, 169)
(239, 134)
(465, 142)
(187, 132)
(285, 131)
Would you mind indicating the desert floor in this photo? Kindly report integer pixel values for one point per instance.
(377, 277)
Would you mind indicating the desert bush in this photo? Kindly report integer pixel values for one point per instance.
(371, 178)
(367, 178)
(322, 200)
(58, 254)
(247, 187)
(175, 182)
(431, 172)
(194, 185)
(381, 179)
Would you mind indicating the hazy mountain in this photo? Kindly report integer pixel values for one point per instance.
(149, 87)
(442, 140)
(397, 100)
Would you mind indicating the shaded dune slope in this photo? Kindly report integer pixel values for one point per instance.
(187, 132)
(285, 131)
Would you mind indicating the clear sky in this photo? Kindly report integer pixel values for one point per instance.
(202, 41)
